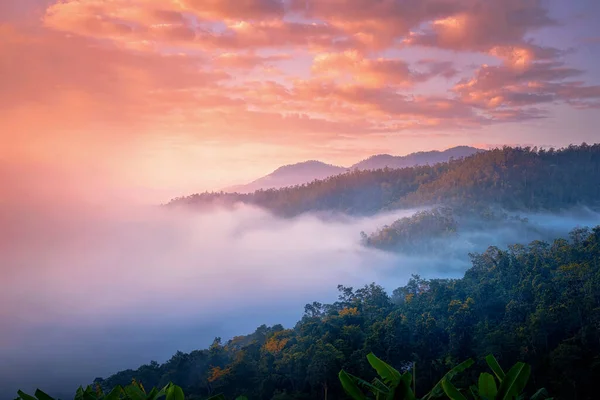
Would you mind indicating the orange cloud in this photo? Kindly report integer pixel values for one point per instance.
(483, 25)
(379, 72)
(250, 24)
(373, 73)
(236, 9)
(376, 24)
(135, 24)
(512, 89)
(247, 61)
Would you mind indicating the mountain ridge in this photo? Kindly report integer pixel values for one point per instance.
(511, 178)
(310, 170)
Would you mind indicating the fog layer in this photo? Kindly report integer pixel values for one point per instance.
(88, 291)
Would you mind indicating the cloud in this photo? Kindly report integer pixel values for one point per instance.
(25, 12)
(386, 103)
(522, 56)
(54, 71)
(474, 25)
(101, 287)
(248, 61)
(376, 25)
(188, 24)
(344, 37)
(371, 73)
(377, 72)
(130, 23)
(235, 9)
(526, 84)
(482, 25)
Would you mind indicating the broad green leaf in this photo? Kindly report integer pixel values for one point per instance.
(390, 375)
(380, 385)
(42, 396)
(451, 391)
(487, 386)
(375, 389)
(514, 382)
(350, 386)
(495, 367)
(175, 393)
(25, 396)
(438, 390)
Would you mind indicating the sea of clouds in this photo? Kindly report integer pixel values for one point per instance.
(90, 290)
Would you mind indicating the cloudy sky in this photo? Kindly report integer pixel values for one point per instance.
(156, 98)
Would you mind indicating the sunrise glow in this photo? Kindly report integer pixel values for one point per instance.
(154, 94)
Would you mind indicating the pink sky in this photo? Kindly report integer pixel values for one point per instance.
(156, 98)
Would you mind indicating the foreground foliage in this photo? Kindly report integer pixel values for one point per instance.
(390, 385)
(134, 391)
(539, 304)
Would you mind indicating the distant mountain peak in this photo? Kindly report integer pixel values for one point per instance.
(290, 175)
(310, 170)
(304, 165)
(414, 159)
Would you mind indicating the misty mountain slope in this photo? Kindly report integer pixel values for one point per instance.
(414, 159)
(536, 303)
(308, 171)
(290, 175)
(449, 232)
(359, 192)
(511, 178)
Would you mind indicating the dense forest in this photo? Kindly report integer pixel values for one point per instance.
(538, 303)
(424, 231)
(511, 178)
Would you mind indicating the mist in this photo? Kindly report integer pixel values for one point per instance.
(90, 290)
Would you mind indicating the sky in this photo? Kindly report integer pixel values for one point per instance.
(151, 99)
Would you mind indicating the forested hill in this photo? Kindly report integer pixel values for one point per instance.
(514, 178)
(538, 303)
